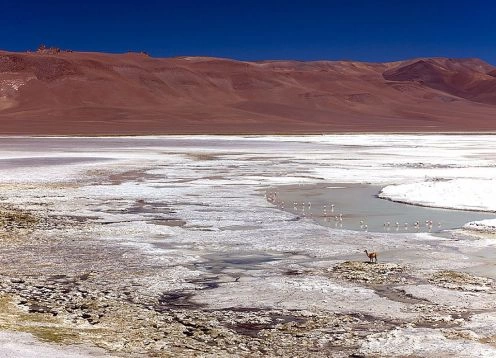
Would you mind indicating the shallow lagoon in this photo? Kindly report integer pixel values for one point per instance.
(357, 207)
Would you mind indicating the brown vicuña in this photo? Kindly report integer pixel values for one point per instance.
(372, 256)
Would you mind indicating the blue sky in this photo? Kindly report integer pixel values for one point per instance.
(255, 30)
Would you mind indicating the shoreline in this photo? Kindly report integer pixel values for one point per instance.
(357, 204)
(467, 194)
(413, 203)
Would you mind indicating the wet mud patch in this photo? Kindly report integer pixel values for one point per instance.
(218, 263)
(142, 206)
(179, 299)
(168, 222)
(108, 177)
(201, 228)
(396, 294)
(364, 323)
(296, 272)
(156, 213)
(239, 227)
(201, 156)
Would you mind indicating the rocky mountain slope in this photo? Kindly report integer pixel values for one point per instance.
(59, 92)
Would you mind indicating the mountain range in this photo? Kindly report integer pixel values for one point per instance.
(54, 92)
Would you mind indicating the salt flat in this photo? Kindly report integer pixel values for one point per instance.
(175, 235)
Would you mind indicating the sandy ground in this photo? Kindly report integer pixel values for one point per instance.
(167, 246)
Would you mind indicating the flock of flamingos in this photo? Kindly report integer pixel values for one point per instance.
(306, 211)
(327, 212)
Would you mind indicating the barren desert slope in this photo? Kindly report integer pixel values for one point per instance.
(77, 93)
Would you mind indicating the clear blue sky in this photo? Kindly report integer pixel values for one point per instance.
(252, 30)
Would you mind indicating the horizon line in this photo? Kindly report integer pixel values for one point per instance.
(146, 53)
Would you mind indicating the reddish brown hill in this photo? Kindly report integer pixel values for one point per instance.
(95, 93)
(471, 79)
